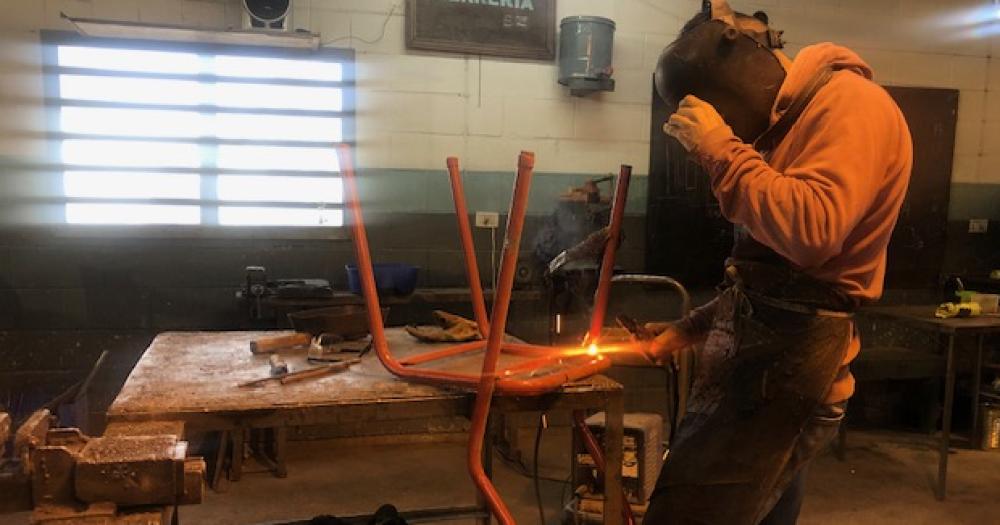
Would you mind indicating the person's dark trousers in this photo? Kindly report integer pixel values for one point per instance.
(786, 511)
(787, 501)
(816, 437)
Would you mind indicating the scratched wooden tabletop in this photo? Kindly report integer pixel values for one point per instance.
(199, 373)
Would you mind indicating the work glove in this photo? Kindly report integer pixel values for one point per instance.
(692, 122)
(666, 343)
(451, 329)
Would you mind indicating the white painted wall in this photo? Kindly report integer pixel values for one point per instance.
(414, 108)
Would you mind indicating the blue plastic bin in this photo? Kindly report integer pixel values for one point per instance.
(394, 278)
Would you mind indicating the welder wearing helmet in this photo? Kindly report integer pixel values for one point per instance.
(810, 160)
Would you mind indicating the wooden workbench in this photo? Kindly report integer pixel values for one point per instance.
(193, 376)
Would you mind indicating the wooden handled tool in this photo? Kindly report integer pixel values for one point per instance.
(267, 345)
(301, 375)
(318, 371)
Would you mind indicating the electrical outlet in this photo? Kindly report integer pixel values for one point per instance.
(978, 225)
(487, 219)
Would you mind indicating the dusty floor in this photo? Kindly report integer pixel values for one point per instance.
(886, 479)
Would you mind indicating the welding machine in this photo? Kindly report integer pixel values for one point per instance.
(642, 459)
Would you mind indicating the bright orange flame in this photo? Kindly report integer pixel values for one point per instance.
(600, 351)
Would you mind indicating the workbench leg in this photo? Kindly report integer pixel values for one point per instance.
(614, 437)
(236, 456)
(977, 384)
(507, 430)
(949, 400)
(280, 450)
(218, 473)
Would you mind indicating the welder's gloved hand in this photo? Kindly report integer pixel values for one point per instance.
(664, 345)
(692, 122)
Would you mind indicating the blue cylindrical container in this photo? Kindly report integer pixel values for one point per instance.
(586, 50)
(394, 278)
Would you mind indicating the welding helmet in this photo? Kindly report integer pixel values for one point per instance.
(728, 63)
(719, 10)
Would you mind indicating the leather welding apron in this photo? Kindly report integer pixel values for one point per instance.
(777, 342)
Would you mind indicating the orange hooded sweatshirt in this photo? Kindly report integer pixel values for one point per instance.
(827, 198)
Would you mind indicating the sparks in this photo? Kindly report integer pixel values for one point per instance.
(592, 349)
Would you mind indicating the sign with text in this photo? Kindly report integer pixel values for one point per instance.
(509, 28)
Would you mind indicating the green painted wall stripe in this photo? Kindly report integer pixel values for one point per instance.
(974, 201)
(428, 191)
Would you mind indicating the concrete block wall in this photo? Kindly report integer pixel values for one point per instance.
(415, 108)
(486, 109)
(495, 107)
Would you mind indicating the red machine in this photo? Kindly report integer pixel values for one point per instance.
(544, 368)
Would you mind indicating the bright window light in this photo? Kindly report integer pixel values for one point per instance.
(271, 96)
(134, 122)
(131, 185)
(131, 90)
(278, 127)
(127, 131)
(280, 189)
(87, 213)
(133, 60)
(190, 93)
(278, 158)
(260, 216)
(130, 153)
(259, 67)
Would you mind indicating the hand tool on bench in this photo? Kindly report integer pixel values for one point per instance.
(328, 348)
(318, 371)
(301, 375)
(270, 344)
(278, 365)
(322, 326)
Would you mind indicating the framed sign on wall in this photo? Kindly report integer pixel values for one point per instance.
(508, 28)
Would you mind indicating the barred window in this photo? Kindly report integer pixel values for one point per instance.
(162, 133)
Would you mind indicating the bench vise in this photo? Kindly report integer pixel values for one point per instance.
(65, 476)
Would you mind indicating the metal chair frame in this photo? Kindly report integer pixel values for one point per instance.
(545, 369)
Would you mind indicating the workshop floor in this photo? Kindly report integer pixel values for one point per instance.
(886, 479)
